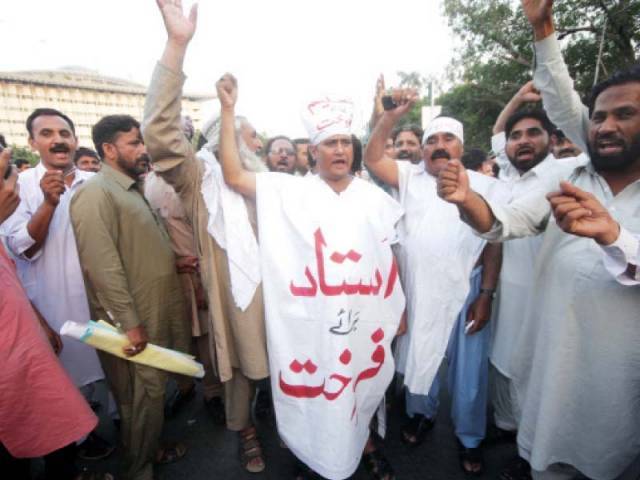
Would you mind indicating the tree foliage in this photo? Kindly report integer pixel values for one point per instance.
(497, 55)
(24, 153)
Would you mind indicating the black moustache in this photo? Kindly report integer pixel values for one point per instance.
(440, 154)
(59, 149)
(404, 155)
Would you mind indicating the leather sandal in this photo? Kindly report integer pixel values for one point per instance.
(251, 451)
(471, 456)
(377, 465)
(415, 430)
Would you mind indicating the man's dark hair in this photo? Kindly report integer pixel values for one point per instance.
(559, 134)
(356, 166)
(301, 141)
(109, 128)
(621, 77)
(267, 147)
(3, 142)
(473, 158)
(84, 152)
(412, 127)
(534, 113)
(47, 112)
(19, 162)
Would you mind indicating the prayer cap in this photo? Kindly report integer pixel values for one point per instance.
(327, 116)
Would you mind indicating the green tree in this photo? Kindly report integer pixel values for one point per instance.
(598, 37)
(24, 152)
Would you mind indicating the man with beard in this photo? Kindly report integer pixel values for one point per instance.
(302, 156)
(406, 143)
(227, 251)
(450, 276)
(131, 281)
(40, 237)
(528, 151)
(527, 94)
(280, 154)
(580, 333)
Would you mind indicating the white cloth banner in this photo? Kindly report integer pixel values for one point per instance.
(333, 303)
(229, 225)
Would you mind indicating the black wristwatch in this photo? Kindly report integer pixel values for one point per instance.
(489, 291)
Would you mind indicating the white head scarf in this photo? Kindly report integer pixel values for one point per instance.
(444, 125)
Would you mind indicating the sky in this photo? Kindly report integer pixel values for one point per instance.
(283, 52)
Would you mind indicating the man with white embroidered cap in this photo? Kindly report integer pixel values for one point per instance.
(334, 303)
(449, 275)
(227, 250)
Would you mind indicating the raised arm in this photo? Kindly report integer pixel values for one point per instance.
(169, 149)
(551, 77)
(375, 158)
(526, 94)
(235, 176)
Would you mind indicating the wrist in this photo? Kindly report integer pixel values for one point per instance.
(610, 236)
(543, 29)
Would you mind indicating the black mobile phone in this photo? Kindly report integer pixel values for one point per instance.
(388, 103)
(7, 172)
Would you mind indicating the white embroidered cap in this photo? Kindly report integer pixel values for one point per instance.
(327, 116)
(444, 125)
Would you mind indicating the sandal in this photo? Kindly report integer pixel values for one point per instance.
(518, 469)
(416, 429)
(470, 457)
(378, 466)
(251, 451)
(170, 453)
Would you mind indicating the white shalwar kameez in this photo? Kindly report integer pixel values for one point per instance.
(52, 277)
(576, 361)
(438, 252)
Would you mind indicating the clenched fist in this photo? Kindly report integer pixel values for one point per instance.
(52, 185)
(453, 183)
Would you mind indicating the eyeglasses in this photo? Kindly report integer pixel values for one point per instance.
(283, 151)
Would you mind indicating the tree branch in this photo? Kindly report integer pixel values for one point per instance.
(563, 32)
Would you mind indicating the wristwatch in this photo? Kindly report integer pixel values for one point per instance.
(489, 291)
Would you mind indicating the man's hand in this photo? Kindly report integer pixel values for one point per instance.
(53, 337)
(180, 28)
(453, 183)
(528, 93)
(580, 213)
(138, 341)
(378, 108)
(405, 99)
(187, 265)
(52, 185)
(478, 314)
(227, 88)
(540, 15)
(402, 327)
(9, 198)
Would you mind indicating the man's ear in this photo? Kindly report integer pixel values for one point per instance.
(109, 150)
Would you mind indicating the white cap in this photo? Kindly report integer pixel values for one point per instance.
(327, 116)
(444, 125)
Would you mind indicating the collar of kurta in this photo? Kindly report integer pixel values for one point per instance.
(120, 178)
(78, 178)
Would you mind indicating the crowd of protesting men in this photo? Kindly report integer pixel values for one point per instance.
(518, 269)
